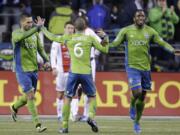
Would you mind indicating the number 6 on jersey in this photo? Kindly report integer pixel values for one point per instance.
(78, 51)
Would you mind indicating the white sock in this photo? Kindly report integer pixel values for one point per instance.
(74, 106)
(86, 106)
(59, 107)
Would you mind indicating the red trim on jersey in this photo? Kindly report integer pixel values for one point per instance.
(65, 58)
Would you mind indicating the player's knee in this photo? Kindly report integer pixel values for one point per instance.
(30, 95)
(60, 95)
(143, 96)
(137, 94)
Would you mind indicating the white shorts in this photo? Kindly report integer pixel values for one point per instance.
(61, 81)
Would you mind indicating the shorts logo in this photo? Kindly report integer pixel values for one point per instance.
(130, 80)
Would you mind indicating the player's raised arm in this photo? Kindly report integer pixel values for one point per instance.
(52, 36)
(41, 50)
(20, 35)
(119, 38)
(49, 35)
(157, 39)
(26, 22)
(98, 46)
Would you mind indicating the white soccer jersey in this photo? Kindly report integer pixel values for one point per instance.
(90, 32)
(60, 58)
(94, 52)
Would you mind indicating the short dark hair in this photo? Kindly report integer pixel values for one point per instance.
(68, 22)
(24, 15)
(138, 10)
(80, 24)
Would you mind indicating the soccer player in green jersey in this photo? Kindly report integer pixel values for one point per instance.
(137, 38)
(79, 46)
(26, 44)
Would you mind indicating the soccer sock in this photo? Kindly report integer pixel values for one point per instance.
(139, 110)
(74, 106)
(20, 102)
(66, 113)
(59, 108)
(86, 106)
(33, 110)
(133, 101)
(92, 108)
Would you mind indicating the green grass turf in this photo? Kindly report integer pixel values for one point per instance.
(107, 126)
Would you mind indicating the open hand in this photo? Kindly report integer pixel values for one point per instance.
(39, 21)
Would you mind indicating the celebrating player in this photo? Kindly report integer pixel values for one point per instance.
(26, 44)
(79, 46)
(138, 38)
(90, 32)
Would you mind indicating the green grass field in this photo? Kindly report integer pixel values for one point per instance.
(107, 126)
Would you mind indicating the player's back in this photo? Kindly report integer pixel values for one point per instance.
(79, 48)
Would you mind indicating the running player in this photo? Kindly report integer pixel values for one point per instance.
(26, 44)
(138, 38)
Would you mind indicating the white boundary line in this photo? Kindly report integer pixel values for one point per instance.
(98, 117)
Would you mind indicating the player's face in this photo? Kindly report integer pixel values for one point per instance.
(69, 29)
(27, 23)
(139, 18)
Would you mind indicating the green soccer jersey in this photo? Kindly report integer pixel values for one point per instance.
(79, 47)
(26, 44)
(138, 45)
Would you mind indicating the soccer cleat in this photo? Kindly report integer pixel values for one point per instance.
(93, 124)
(13, 113)
(132, 113)
(40, 128)
(137, 128)
(83, 119)
(63, 130)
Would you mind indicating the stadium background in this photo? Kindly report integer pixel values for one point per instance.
(113, 93)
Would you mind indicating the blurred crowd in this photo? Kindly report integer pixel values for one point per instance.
(110, 15)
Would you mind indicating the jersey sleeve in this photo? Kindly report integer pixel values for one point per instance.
(20, 35)
(157, 39)
(53, 55)
(41, 49)
(99, 47)
(94, 52)
(119, 38)
(52, 37)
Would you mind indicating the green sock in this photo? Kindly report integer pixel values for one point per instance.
(66, 113)
(92, 108)
(133, 101)
(139, 110)
(33, 110)
(20, 102)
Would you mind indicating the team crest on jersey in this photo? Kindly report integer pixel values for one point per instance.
(131, 36)
(146, 35)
